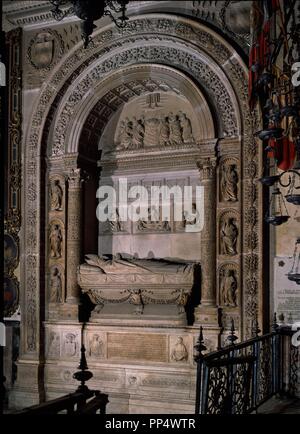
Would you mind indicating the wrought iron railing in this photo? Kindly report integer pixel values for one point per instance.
(74, 403)
(241, 377)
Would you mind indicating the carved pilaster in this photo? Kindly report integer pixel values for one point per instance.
(73, 234)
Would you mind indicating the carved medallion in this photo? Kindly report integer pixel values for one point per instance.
(44, 48)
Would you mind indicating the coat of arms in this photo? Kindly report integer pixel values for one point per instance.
(42, 50)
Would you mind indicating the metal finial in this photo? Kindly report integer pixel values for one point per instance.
(199, 347)
(275, 325)
(83, 375)
(255, 329)
(232, 337)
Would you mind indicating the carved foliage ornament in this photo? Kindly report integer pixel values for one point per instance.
(158, 54)
(12, 220)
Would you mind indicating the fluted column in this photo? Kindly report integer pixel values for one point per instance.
(74, 221)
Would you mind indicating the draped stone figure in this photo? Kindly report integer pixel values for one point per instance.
(228, 237)
(126, 279)
(114, 223)
(96, 346)
(56, 196)
(121, 265)
(151, 137)
(55, 241)
(70, 345)
(186, 128)
(157, 224)
(138, 131)
(229, 179)
(228, 286)
(54, 345)
(125, 135)
(175, 130)
(56, 286)
(179, 352)
(164, 132)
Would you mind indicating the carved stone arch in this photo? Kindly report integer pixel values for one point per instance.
(140, 79)
(226, 77)
(199, 65)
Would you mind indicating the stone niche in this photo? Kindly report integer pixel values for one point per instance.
(158, 124)
(139, 149)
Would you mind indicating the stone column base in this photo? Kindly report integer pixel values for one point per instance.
(64, 312)
(28, 389)
(208, 318)
(206, 315)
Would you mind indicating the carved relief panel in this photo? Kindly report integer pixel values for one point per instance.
(228, 285)
(96, 345)
(229, 208)
(179, 349)
(228, 233)
(70, 347)
(229, 178)
(153, 120)
(56, 239)
(53, 344)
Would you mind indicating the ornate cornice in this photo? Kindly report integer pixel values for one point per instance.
(221, 14)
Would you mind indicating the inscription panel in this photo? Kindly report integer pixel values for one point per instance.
(287, 295)
(150, 347)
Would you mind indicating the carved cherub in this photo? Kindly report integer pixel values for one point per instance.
(137, 300)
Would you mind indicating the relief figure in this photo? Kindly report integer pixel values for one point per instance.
(228, 237)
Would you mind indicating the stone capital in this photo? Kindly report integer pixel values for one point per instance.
(207, 168)
(75, 178)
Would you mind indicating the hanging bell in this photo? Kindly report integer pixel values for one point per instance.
(294, 274)
(277, 213)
